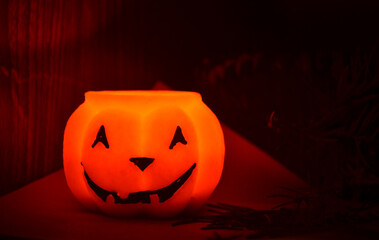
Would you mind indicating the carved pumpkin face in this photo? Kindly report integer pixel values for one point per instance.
(154, 153)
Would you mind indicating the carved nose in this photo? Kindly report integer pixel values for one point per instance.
(142, 163)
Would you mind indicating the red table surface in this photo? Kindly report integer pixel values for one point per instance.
(46, 209)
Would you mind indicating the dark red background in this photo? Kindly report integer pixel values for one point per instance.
(51, 52)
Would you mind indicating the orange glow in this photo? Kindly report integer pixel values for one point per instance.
(151, 153)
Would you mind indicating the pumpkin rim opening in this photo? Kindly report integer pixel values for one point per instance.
(157, 94)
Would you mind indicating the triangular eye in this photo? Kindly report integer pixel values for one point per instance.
(101, 137)
(178, 137)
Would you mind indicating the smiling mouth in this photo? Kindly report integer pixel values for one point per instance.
(144, 196)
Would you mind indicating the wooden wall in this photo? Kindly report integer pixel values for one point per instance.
(51, 53)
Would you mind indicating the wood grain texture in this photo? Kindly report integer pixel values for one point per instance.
(51, 53)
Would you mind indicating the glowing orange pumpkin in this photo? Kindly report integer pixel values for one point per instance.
(154, 153)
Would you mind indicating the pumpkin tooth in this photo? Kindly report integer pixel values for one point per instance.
(123, 195)
(154, 198)
(110, 199)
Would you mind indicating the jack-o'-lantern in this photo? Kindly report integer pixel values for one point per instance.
(150, 153)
